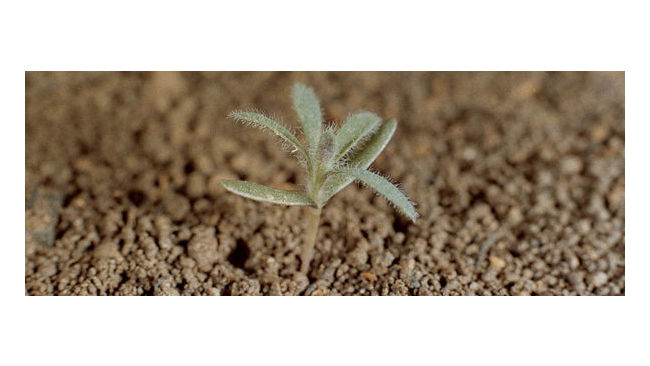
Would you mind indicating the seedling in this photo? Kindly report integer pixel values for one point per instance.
(332, 160)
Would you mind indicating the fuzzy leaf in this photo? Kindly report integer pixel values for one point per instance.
(308, 109)
(328, 148)
(264, 122)
(384, 187)
(361, 159)
(355, 128)
(262, 193)
(375, 145)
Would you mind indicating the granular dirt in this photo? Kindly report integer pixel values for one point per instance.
(519, 179)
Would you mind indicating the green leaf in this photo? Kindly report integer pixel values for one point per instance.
(355, 128)
(375, 145)
(261, 121)
(384, 187)
(361, 159)
(328, 148)
(262, 193)
(308, 109)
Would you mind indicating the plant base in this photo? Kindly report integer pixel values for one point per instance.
(313, 220)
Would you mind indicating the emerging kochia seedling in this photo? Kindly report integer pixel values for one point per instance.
(333, 159)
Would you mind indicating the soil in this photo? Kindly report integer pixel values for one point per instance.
(519, 179)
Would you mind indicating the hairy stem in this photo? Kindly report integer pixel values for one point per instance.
(310, 238)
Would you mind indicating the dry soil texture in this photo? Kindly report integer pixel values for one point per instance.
(519, 178)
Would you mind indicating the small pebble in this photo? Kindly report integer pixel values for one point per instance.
(598, 279)
(497, 262)
(414, 283)
(571, 165)
(369, 276)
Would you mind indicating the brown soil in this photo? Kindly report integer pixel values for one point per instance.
(519, 178)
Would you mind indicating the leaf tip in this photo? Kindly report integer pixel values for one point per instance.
(227, 184)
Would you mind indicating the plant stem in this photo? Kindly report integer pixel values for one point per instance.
(310, 238)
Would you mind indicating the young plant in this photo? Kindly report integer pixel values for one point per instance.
(332, 158)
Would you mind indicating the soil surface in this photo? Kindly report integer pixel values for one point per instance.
(519, 179)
